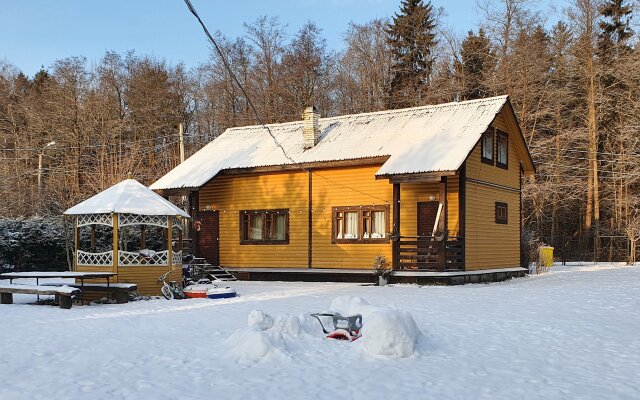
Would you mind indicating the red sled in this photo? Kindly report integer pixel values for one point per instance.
(344, 328)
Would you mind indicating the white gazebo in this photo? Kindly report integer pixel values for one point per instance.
(129, 204)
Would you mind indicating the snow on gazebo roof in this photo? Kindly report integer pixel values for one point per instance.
(127, 197)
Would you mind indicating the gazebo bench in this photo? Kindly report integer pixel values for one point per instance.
(63, 293)
(120, 291)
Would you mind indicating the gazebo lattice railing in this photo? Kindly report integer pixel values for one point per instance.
(94, 219)
(135, 219)
(94, 259)
(167, 257)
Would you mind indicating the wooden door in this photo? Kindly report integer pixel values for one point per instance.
(427, 251)
(427, 213)
(209, 236)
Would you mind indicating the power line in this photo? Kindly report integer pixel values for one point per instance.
(586, 151)
(124, 142)
(261, 122)
(225, 62)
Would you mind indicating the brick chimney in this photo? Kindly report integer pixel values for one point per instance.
(310, 127)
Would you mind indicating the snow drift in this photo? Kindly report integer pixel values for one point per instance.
(258, 342)
(387, 332)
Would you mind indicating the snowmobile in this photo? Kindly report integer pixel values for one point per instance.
(344, 328)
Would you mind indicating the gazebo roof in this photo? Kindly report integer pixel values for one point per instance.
(127, 197)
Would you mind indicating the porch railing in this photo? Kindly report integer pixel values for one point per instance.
(431, 253)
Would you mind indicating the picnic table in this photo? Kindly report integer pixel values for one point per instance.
(59, 274)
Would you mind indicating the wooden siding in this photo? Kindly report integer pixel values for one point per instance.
(491, 173)
(332, 187)
(232, 194)
(338, 187)
(487, 244)
(145, 277)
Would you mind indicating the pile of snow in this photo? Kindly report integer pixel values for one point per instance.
(263, 339)
(386, 331)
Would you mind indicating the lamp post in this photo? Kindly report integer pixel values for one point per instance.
(39, 205)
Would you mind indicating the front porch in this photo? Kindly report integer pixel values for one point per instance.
(430, 253)
(422, 277)
(434, 240)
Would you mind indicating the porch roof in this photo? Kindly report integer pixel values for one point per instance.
(424, 139)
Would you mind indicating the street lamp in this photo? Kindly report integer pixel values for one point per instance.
(39, 206)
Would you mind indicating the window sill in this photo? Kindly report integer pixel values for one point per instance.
(487, 161)
(263, 242)
(501, 165)
(360, 241)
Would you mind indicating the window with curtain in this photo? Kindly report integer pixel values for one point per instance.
(255, 227)
(264, 226)
(486, 145)
(360, 224)
(502, 149)
(379, 227)
(351, 225)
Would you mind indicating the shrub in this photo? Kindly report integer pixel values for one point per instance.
(36, 244)
(381, 266)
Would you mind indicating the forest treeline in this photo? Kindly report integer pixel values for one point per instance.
(574, 84)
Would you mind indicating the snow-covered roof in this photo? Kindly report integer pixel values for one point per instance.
(420, 139)
(127, 197)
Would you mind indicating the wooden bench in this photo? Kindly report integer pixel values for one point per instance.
(120, 291)
(63, 293)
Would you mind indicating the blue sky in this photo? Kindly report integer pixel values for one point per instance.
(37, 32)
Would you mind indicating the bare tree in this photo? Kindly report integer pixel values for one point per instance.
(364, 69)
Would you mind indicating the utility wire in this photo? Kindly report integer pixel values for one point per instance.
(124, 142)
(227, 66)
(261, 122)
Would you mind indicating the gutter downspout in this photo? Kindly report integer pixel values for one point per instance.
(310, 222)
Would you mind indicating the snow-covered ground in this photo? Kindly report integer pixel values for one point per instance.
(573, 333)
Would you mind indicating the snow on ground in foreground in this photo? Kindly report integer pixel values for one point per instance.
(572, 333)
(388, 333)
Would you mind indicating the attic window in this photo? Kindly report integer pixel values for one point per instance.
(486, 147)
(502, 149)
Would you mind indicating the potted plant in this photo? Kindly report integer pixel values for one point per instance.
(381, 269)
(439, 235)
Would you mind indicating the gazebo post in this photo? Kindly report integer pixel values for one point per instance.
(93, 238)
(115, 243)
(75, 243)
(180, 234)
(143, 239)
(170, 241)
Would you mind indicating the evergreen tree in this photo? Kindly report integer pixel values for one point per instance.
(476, 61)
(411, 36)
(615, 25)
(40, 80)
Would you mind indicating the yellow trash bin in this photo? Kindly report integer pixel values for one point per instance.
(546, 256)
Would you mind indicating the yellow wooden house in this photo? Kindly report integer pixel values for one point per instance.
(436, 190)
